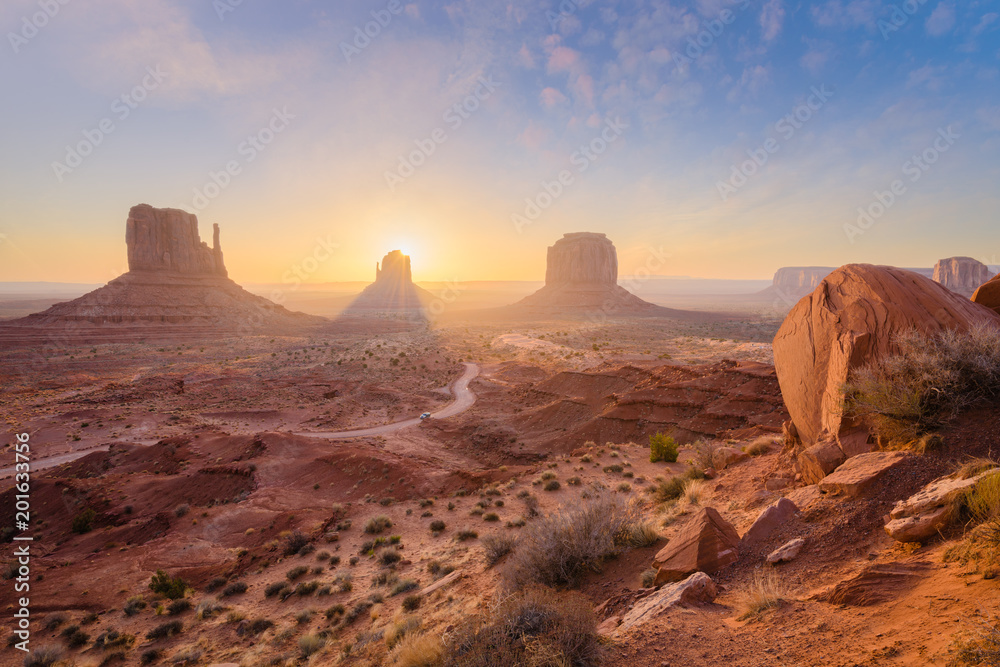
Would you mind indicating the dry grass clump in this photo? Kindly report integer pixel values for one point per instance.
(764, 591)
(425, 650)
(930, 380)
(760, 446)
(377, 524)
(536, 627)
(977, 647)
(694, 491)
(556, 549)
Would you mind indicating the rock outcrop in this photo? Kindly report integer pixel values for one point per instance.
(581, 277)
(797, 281)
(582, 258)
(962, 275)
(167, 240)
(859, 474)
(393, 290)
(925, 513)
(696, 589)
(770, 520)
(852, 318)
(175, 283)
(788, 551)
(707, 543)
(988, 294)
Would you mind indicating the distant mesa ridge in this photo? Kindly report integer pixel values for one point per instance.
(174, 278)
(393, 290)
(582, 258)
(962, 275)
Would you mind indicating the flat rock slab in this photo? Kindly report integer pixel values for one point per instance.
(696, 589)
(860, 473)
(927, 512)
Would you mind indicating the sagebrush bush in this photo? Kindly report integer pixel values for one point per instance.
(167, 586)
(536, 626)
(556, 549)
(377, 524)
(928, 381)
(662, 448)
(496, 547)
(425, 650)
(44, 656)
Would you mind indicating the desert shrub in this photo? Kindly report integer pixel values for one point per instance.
(377, 524)
(558, 548)
(389, 557)
(181, 510)
(704, 454)
(215, 584)
(150, 656)
(614, 469)
(493, 516)
(112, 639)
(187, 656)
(295, 543)
(259, 625)
(309, 644)
(642, 534)
(355, 612)
(530, 505)
(466, 534)
(306, 588)
(398, 630)
(178, 606)
(694, 491)
(533, 627)
(82, 522)
(552, 485)
(134, 605)
(764, 591)
(164, 630)
(927, 383)
(44, 656)
(662, 448)
(334, 611)
(437, 526)
(648, 577)
(235, 588)
(169, 587)
(304, 616)
(384, 579)
(273, 589)
(980, 646)
(759, 446)
(403, 586)
(53, 621)
(207, 609)
(496, 547)
(75, 637)
(424, 650)
(296, 572)
(411, 603)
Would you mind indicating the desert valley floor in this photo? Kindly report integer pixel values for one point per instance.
(194, 456)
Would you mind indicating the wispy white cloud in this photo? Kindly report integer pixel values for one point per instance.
(772, 18)
(941, 20)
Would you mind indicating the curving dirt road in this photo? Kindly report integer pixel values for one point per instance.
(464, 399)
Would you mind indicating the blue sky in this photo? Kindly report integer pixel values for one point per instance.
(673, 99)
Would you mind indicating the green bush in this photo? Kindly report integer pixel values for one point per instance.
(169, 587)
(662, 448)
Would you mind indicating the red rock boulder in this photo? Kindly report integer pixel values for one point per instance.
(851, 319)
(988, 294)
(707, 543)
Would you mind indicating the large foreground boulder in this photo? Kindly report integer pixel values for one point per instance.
(988, 294)
(861, 473)
(851, 319)
(707, 543)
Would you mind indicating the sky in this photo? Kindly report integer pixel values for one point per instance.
(707, 138)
